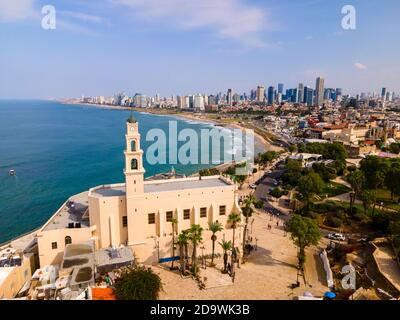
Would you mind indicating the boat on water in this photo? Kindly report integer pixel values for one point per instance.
(11, 172)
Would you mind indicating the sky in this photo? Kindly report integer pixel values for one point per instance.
(176, 47)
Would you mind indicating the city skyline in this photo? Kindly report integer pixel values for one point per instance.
(170, 48)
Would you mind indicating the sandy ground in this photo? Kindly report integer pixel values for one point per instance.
(268, 273)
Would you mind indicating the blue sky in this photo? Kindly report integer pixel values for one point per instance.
(188, 46)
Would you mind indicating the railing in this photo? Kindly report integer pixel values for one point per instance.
(18, 237)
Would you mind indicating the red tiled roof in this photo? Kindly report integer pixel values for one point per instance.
(103, 294)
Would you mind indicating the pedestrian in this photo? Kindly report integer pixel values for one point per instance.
(277, 223)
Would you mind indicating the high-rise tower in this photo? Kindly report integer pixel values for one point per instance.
(319, 91)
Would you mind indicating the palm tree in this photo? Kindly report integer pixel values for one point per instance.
(195, 236)
(174, 222)
(226, 246)
(356, 180)
(234, 219)
(247, 211)
(214, 227)
(183, 241)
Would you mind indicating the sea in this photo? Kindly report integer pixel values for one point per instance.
(58, 150)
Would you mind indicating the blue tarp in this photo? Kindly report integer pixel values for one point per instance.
(163, 260)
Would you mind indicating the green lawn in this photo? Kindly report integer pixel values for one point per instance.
(333, 189)
(383, 195)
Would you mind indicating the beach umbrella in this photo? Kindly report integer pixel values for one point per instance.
(330, 295)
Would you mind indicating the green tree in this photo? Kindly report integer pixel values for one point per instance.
(310, 185)
(276, 193)
(209, 172)
(214, 227)
(226, 246)
(367, 197)
(292, 148)
(183, 241)
(374, 169)
(240, 180)
(392, 180)
(195, 236)
(247, 212)
(138, 284)
(304, 233)
(356, 180)
(234, 219)
(293, 172)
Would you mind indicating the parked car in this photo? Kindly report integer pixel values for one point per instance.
(336, 236)
(253, 186)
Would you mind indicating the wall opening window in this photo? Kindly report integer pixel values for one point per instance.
(134, 164)
(152, 218)
(203, 212)
(186, 214)
(68, 240)
(133, 145)
(54, 245)
(169, 215)
(222, 210)
(124, 221)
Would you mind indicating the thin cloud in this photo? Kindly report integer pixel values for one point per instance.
(82, 16)
(231, 19)
(16, 10)
(360, 66)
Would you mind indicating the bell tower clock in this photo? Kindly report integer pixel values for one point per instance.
(134, 170)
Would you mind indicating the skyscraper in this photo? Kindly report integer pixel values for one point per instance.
(384, 92)
(271, 95)
(300, 93)
(280, 88)
(198, 102)
(229, 97)
(319, 91)
(308, 96)
(260, 94)
(338, 94)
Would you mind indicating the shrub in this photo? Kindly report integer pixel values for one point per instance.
(259, 204)
(359, 216)
(276, 193)
(333, 222)
(138, 284)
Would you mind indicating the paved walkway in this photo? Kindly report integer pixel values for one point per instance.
(388, 266)
(268, 273)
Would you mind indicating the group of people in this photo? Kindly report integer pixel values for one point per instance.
(269, 226)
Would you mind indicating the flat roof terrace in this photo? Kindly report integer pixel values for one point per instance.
(156, 186)
(183, 184)
(71, 213)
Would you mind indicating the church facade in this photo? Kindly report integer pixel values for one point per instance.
(139, 213)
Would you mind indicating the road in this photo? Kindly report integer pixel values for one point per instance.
(263, 189)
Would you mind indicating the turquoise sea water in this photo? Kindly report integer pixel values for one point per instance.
(59, 150)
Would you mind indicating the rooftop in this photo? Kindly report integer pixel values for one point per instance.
(183, 184)
(165, 185)
(70, 214)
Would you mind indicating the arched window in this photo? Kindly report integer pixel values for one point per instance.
(134, 164)
(133, 145)
(68, 240)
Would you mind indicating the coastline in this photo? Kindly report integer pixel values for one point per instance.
(266, 145)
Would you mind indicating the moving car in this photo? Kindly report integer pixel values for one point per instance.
(336, 236)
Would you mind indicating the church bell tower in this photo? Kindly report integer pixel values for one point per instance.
(134, 171)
